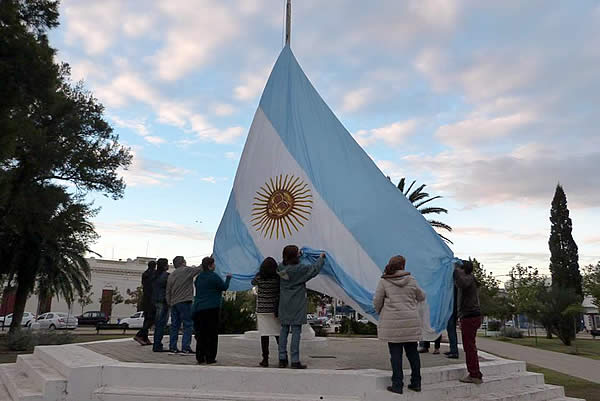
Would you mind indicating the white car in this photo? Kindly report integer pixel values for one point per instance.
(28, 318)
(54, 321)
(136, 321)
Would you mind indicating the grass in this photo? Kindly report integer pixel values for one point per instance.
(574, 386)
(9, 356)
(587, 348)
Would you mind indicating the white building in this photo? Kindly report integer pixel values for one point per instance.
(591, 315)
(106, 277)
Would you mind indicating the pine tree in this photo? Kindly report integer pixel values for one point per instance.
(564, 257)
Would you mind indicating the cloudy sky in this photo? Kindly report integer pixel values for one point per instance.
(489, 103)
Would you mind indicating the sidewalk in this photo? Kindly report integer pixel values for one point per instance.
(584, 368)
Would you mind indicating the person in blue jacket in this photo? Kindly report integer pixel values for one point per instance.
(205, 310)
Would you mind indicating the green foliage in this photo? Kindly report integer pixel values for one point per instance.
(135, 297)
(26, 340)
(419, 198)
(351, 326)
(316, 300)
(494, 325)
(524, 290)
(237, 315)
(511, 332)
(591, 282)
(489, 290)
(55, 148)
(556, 312)
(564, 256)
(85, 300)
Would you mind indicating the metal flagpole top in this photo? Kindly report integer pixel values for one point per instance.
(288, 22)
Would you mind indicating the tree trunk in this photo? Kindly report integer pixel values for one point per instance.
(23, 291)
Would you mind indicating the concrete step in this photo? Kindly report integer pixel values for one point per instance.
(4, 396)
(156, 394)
(568, 399)
(51, 383)
(19, 385)
(492, 385)
(288, 381)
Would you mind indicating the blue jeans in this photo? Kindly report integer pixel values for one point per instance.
(181, 313)
(294, 346)
(452, 337)
(162, 314)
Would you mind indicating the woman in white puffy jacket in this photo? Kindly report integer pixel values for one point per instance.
(396, 300)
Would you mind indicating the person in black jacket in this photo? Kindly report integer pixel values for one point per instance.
(267, 305)
(159, 290)
(147, 304)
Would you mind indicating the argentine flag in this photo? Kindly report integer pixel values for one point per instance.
(303, 180)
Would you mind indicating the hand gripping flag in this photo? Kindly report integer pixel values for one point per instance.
(303, 180)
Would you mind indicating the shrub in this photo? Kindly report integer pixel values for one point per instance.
(494, 325)
(236, 316)
(26, 340)
(349, 326)
(511, 332)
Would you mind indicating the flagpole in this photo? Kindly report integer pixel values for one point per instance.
(288, 22)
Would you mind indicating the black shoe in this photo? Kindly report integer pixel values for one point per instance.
(423, 351)
(200, 361)
(211, 362)
(447, 353)
(298, 365)
(283, 363)
(174, 352)
(453, 356)
(264, 363)
(397, 391)
(414, 387)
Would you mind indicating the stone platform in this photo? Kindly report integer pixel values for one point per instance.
(340, 370)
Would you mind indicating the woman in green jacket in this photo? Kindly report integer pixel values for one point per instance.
(205, 311)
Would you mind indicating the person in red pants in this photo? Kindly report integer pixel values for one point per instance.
(469, 314)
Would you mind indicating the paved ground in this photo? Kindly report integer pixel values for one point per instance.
(334, 353)
(584, 368)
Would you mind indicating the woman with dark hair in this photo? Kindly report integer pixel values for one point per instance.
(292, 303)
(267, 304)
(396, 300)
(205, 310)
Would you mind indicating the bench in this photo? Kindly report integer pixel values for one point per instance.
(111, 326)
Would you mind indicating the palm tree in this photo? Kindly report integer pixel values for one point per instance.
(418, 197)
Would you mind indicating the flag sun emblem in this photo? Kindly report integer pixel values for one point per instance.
(281, 206)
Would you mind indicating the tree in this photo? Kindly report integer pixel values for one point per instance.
(135, 297)
(237, 314)
(524, 290)
(55, 148)
(564, 257)
(117, 298)
(591, 282)
(419, 198)
(556, 307)
(489, 289)
(85, 300)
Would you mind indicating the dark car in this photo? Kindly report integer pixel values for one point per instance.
(92, 318)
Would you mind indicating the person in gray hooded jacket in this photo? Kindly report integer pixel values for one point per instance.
(292, 301)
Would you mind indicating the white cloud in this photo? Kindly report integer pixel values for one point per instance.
(356, 99)
(391, 169)
(211, 180)
(475, 231)
(194, 35)
(481, 129)
(253, 84)
(154, 227)
(137, 25)
(138, 126)
(392, 134)
(155, 140)
(232, 155)
(223, 109)
(146, 172)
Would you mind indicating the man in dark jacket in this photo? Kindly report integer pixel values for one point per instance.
(147, 304)
(159, 290)
(469, 314)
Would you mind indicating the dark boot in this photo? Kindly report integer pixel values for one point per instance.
(283, 363)
(414, 387)
(298, 365)
(264, 345)
(265, 362)
(395, 390)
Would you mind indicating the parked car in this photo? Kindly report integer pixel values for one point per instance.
(136, 321)
(55, 321)
(28, 317)
(92, 318)
(363, 320)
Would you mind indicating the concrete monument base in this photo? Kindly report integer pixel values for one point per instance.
(80, 373)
